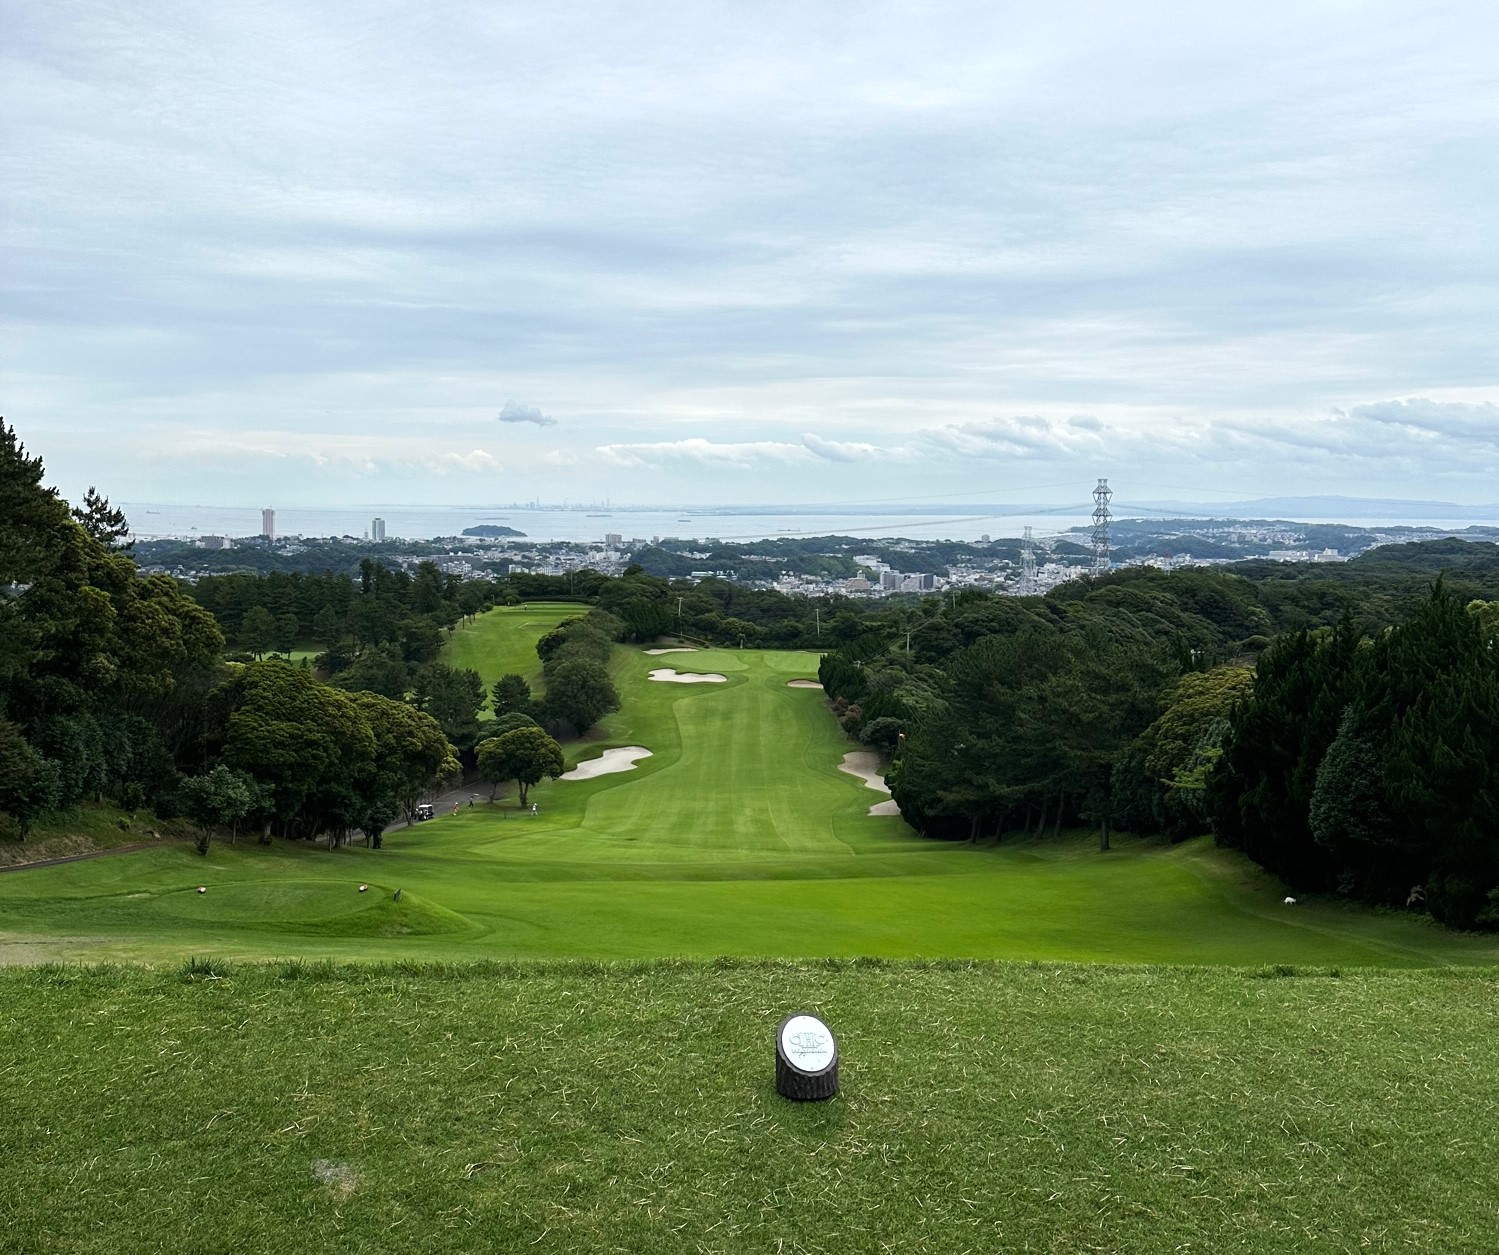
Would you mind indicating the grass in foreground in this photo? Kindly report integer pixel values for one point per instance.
(739, 836)
(631, 1108)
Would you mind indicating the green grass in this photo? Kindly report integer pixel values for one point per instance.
(503, 641)
(738, 837)
(580, 1107)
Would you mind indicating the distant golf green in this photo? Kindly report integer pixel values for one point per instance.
(503, 641)
(738, 835)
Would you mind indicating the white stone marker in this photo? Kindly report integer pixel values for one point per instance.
(806, 1059)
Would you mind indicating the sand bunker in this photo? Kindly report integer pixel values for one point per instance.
(672, 649)
(607, 763)
(803, 684)
(672, 676)
(866, 766)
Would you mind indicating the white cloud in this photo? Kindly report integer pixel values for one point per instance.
(515, 412)
(362, 455)
(705, 452)
(893, 224)
(1023, 436)
(841, 450)
(1456, 420)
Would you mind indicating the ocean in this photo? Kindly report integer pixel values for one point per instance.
(423, 522)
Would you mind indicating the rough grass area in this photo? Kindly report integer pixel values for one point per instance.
(631, 1109)
(83, 830)
(503, 641)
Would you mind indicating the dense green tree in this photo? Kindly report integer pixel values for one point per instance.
(1350, 813)
(883, 734)
(453, 697)
(412, 757)
(257, 634)
(508, 723)
(307, 743)
(218, 797)
(525, 755)
(102, 521)
(379, 669)
(511, 695)
(580, 692)
(288, 631)
(1161, 777)
(28, 782)
(327, 627)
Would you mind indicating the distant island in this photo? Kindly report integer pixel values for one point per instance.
(491, 531)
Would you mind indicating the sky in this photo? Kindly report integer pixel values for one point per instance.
(292, 254)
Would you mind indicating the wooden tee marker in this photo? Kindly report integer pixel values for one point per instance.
(806, 1059)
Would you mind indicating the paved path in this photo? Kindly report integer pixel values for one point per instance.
(462, 794)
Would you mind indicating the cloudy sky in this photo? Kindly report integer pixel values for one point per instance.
(301, 254)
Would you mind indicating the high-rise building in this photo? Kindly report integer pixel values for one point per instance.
(268, 524)
(614, 538)
(377, 530)
(890, 580)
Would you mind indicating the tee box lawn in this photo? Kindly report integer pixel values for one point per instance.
(631, 1107)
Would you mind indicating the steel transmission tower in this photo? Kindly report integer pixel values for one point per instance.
(1028, 565)
(1101, 516)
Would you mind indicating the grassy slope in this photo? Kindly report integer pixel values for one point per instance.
(583, 1108)
(84, 829)
(503, 641)
(739, 836)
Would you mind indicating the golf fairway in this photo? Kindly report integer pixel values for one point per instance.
(739, 835)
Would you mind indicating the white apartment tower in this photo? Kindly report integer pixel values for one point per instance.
(268, 524)
(377, 530)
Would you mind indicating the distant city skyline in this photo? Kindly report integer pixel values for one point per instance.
(351, 255)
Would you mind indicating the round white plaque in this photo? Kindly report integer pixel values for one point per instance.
(807, 1043)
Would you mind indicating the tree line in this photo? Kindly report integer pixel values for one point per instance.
(114, 684)
(1344, 732)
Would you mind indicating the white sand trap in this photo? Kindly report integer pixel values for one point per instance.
(803, 684)
(607, 763)
(672, 676)
(672, 649)
(866, 766)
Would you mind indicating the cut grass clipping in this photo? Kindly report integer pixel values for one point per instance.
(586, 1107)
(738, 835)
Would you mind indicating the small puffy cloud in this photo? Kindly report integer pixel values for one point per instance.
(704, 452)
(840, 450)
(515, 412)
(472, 462)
